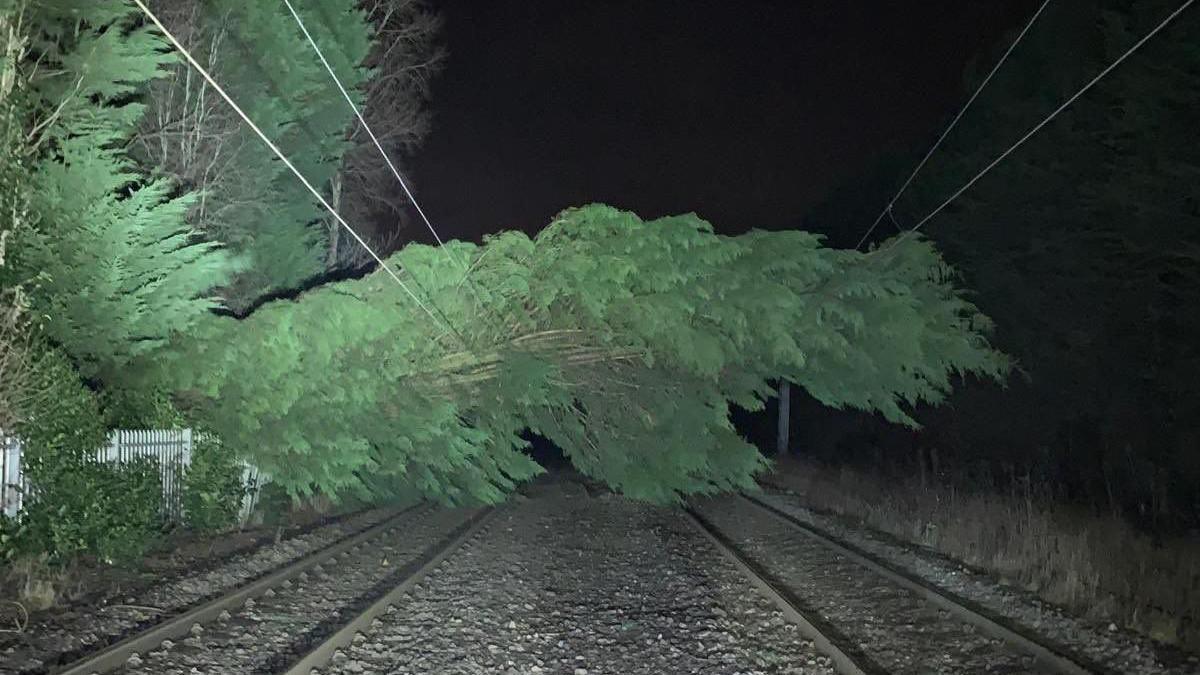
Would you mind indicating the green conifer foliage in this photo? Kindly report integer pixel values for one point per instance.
(252, 202)
(623, 341)
(115, 267)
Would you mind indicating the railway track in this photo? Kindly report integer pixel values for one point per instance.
(872, 617)
(260, 625)
(569, 583)
(56, 639)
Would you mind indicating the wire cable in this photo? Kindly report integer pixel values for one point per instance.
(383, 153)
(283, 158)
(1138, 45)
(892, 202)
(361, 120)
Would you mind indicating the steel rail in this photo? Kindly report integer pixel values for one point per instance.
(209, 565)
(846, 657)
(1046, 654)
(116, 655)
(320, 656)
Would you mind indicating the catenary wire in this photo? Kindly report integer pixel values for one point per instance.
(892, 202)
(283, 158)
(361, 120)
(1101, 75)
(383, 153)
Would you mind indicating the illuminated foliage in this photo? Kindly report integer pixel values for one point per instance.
(111, 265)
(251, 202)
(622, 341)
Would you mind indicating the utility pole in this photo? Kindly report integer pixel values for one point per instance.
(781, 440)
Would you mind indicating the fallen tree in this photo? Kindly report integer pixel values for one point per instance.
(623, 341)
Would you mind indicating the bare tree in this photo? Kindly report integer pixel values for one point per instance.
(16, 359)
(188, 132)
(405, 58)
(15, 354)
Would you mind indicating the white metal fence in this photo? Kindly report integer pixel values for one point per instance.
(12, 481)
(171, 448)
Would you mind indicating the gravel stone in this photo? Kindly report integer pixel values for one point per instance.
(894, 627)
(267, 635)
(566, 584)
(80, 630)
(1122, 651)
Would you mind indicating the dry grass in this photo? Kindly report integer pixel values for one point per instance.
(39, 585)
(1099, 567)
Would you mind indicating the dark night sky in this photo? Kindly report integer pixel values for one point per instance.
(745, 112)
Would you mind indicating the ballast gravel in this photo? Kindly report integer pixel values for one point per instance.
(74, 633)
(896, 629)
(572, 585)
(268, 633)
(1120, 650)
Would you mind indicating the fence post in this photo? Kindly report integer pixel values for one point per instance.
(112, 451)
(12, 483)
(185, 464)
(251, 481)
(187, 447)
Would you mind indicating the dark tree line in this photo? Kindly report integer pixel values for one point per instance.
(1084, 247)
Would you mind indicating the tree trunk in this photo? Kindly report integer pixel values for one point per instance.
(335, 228)
(784, 421)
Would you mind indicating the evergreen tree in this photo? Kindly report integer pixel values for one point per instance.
(76, 505)
(115, 268)
(622, 341)
(250, 201)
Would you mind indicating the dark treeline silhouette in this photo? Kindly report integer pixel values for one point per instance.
(1084, 247)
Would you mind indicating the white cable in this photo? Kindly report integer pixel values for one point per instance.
(379, 146)
(283, 158)
(892, 202)
(1052, 115)
(365, 126)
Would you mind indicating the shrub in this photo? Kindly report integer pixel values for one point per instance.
(111, 511)
(212, 488)
(77, 506)
(148, 407)
(274, 504)
(61, 423)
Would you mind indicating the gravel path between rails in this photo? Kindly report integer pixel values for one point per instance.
(566, 584)
(267, 634)
(896, 628)
(1121, 651)
(71, 634)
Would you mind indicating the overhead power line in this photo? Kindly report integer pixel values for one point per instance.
(361, 120)
(887, 210)
(383, 153)
(283, 158)
(1101, 75)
